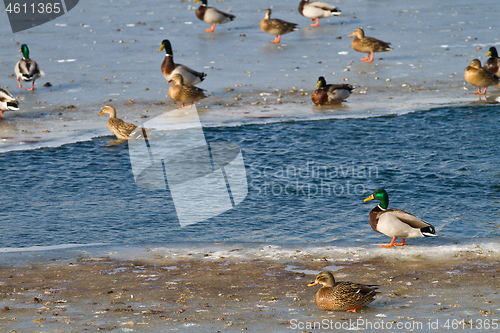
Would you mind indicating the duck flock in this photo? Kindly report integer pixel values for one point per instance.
(184, 78)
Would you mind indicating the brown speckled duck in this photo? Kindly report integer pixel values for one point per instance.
(184, 93)
(211, 15)
(7, 102)
(343, 295)
(493, 63)
(169, 68)
(276, 27)
(368, 45)
(476, 75)
(396, 223)
(328, 94)
(117, 126)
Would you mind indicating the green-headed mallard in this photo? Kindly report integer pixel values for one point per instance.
(493, 63)
(184, 93)
(396, 223)
(7, 102)
(211, 15)
(117, 126)
(27, 69)
(316, 10)
(330, 93)
(343, 295)
(480, 77)
(169, 68)
(368, 45)
(276, 27)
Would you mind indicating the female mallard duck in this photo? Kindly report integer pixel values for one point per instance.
(276, 27)
(117, 126)
(184, 93)
(169, 68)
(211, 15)
(396, 223)
(480, 77)
(368, 45)
(343, 295)
(7, 102)
(493, 63)
(330, 93)
(27, 69)
(316, 10)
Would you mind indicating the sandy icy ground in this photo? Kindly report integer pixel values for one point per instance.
(217, 293)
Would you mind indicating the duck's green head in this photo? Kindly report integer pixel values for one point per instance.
(165, 45)
(321, 82)
(203, 2)
(381, 195)
(492, 52)
(25, 50)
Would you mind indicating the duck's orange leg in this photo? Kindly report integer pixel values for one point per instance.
(211, 29)
(371, 58)
(315, 24)
(19, 81)
(400, 244)
(479, 91)
(390, 245)
(353, 310)
(276, 40)
(367, 58)
(32, 87)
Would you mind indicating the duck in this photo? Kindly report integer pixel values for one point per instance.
(184, 93)
(212, 15)
(316, 10)
(493, 63)
(117, 126)
(276, 27)
(368, 45)
(476, 75)
(396, 223)
(169, 68)
(327, 94)
(27, 69)
(342, 296)
(7, 102)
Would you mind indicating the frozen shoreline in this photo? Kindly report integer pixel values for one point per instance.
(192, 293)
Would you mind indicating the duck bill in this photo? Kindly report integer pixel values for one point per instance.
(161, 48)
(319, 84)
(489, 54)
(351, 35)
(102, 112)
(371, 197)
(312, 284)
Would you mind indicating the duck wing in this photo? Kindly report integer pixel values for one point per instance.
(408, 218)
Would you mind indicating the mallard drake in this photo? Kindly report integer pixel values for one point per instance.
(7, 102)
(117, 126)
(184, 93)
(276, 27)
(480, 77)
(169, 68)
(330, 93)
(396, 223)
(27, 69)
(493, 63)
(368, 45)
(316, 10)
(343, 295)
(211, 15)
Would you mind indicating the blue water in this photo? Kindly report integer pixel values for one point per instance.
(307, 181)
